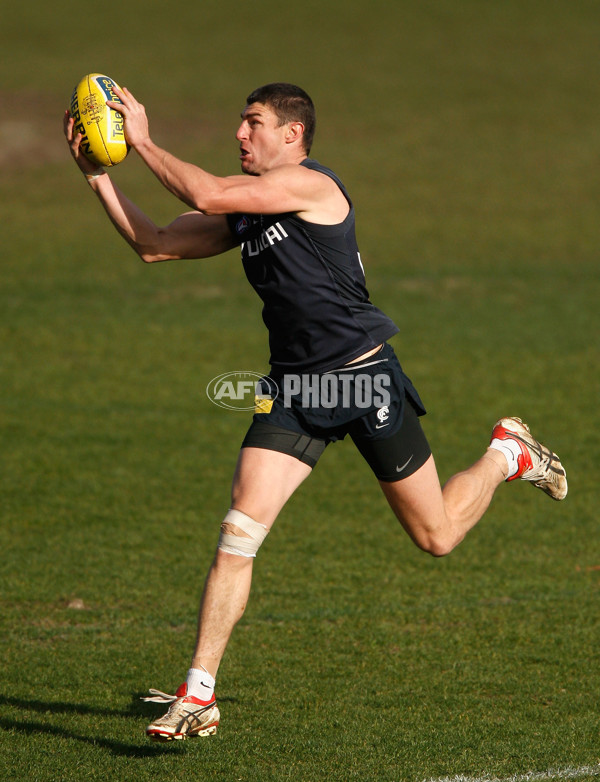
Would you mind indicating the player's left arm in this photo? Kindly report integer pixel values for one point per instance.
(287, 188)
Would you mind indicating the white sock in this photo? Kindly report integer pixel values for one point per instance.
(200, 684)
(511, 450)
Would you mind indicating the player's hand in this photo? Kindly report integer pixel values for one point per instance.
(134, 115)
(74, 141)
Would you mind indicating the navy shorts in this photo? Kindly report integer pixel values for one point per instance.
(373, 401)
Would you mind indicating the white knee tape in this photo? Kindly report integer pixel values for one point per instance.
(236, 544)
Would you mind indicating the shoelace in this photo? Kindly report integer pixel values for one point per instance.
(546, 469)
(539, 452)
(156, 696)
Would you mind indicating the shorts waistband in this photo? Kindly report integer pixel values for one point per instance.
(370, 362)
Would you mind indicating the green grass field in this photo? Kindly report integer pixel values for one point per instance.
(468, 133)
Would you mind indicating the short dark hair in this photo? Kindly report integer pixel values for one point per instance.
(290, 104)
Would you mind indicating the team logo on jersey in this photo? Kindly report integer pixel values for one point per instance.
(242, 225)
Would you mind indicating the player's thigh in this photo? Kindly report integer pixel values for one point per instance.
(417, 502)
(263, 482)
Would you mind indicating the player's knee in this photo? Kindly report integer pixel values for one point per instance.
(241, 535)
(438, 544)
(438, 549)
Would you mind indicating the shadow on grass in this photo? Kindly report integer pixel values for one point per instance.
(116, 747)
(135, 709)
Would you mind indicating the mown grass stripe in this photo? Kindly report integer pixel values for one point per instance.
(530, 776)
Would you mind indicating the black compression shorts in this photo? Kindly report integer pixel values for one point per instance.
(389, 436)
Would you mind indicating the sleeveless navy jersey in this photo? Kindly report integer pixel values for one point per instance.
(311, 281)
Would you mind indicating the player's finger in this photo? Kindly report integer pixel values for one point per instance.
(117, 106)
(67, 124)
(124, 94)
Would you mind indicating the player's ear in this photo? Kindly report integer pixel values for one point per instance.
(295, 132)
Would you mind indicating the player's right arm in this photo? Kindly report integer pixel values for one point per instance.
(191, 235)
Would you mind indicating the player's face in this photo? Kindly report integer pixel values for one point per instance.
(262, 139)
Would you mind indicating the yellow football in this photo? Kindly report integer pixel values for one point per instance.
(102, 128)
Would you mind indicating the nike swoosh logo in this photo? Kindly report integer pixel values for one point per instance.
(380, 426)
(405, 465)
